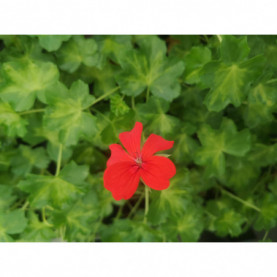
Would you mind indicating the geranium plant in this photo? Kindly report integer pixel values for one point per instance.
(67, 102)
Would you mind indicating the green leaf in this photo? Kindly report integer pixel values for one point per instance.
(115, 125)
(114, 47)
(118, 105)
(187, 227)
(262, 102)
(170, 202)
(229, 79)
(194, 61)
(11, 223)
(267, 218)
(89, 155)
(27, 159)
(125, 230)
(37, 231)
(154, 114)
(6, 197)
(13, 123)
(217, 143)
(224, 219)
(76, 174)
(65, 112)
(241, 174)
(103, 79)
(264, 155)
(55, 191)
(149, 68)
(79, 218)
(234, 49)
(23, 80)
(78, 50)
(229, 223)
(105, 198)
(273, 186)
(52, 42)
(185, 146)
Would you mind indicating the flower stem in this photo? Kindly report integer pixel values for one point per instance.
(147, 94)
(136, 206)
(59, 160)
(146, 204)
(240, 200)
(102, 97)
(119, 213)
(32, 111)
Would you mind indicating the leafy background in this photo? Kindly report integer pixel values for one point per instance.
(64, 99)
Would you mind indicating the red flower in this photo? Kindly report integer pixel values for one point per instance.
(124, 170)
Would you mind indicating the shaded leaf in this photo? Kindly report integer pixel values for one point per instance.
(23, 80)
(149, 68)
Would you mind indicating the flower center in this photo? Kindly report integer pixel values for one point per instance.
(138, 160)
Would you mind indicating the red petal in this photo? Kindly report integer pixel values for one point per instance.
(157, 171)
(118, 155)
(131, 140)
(122, 179)
(155, 143)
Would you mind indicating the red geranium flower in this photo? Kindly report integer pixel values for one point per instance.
(124, 170)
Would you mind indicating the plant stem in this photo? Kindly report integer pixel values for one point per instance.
(240, 200)
(271, 81)
(107, 119)
(133, 103)
(32, 111)
(136, 205)
(44, 218)
(97, 225)
(219, 38)
(265, 235)
(25, 205)
(147, 94)
(118, 215)
(59, 160)
(209, 214)
(146, 204)
(102, 97)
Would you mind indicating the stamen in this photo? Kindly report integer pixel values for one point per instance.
(138, 159)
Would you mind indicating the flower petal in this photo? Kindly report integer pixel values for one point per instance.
(157, 171)
(118, 154)
(155, 143)
(131, 140)
(122, 179)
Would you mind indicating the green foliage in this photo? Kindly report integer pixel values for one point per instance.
(64, 99)
(12, 121)
(66, 112)
(13, 222)
(118, 106)
(52, 42)
(230, 77)
(224, 219)
(55, 191)
(215, 143)
(149, 68)
(75, 52)
(23, 80)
